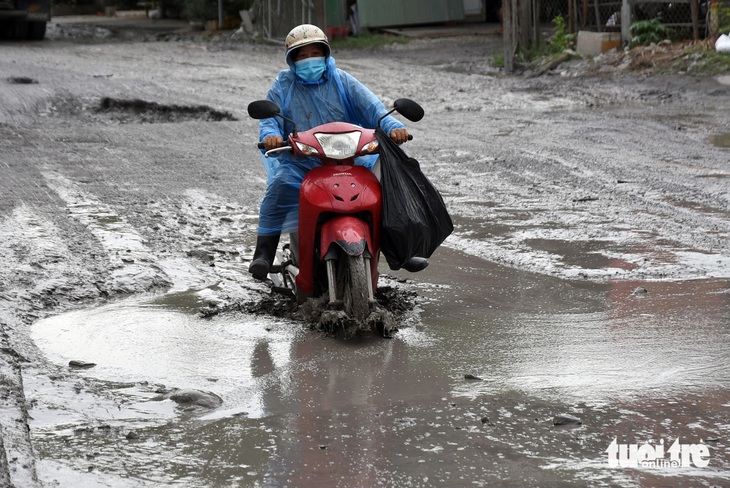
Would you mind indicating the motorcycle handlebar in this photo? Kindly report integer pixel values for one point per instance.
(261, 145)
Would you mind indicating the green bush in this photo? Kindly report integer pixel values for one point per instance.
(562, 39)
(645, 32)
(723, 16)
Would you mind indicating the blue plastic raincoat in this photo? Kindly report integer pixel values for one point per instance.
(336, 97)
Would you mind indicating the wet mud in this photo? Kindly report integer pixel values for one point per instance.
(391, 307)
(583, 298)
(508, 378)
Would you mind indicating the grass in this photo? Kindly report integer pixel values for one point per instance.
(703, 61)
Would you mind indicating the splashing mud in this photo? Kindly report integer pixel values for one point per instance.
(391, 306)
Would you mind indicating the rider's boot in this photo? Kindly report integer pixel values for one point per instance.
(263, 256)
(415, 264)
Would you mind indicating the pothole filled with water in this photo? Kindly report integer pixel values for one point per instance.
(721, 140)
(145, 112)
(21, 80)
(133, 111)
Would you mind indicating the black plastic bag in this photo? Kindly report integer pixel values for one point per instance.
(414, 217)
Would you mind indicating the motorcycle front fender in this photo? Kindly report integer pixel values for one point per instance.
(351, 234)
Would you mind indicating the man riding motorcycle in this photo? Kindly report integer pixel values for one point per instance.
(313, 91)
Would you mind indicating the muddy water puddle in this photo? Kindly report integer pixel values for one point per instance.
(162, 341)
(582, 254)
(465, 394)
(721, 140)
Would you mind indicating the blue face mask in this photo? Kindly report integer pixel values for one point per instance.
(310, 69)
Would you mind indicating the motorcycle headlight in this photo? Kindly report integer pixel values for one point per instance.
(306, 149)
(339, 146)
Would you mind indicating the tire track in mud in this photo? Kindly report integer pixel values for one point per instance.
(36, 268)
(212, 233)
(17, 459)
(132, 265)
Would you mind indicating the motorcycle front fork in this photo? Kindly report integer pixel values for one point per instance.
(332, 281)
(331, 272)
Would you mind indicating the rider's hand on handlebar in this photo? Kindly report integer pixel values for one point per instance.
(399, 136)
(272, 142)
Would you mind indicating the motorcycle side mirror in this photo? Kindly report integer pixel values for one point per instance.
(266, 109)
(409, 109)
(263, 109)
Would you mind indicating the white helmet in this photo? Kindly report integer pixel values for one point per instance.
(302, 35)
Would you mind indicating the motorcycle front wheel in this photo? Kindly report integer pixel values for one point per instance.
(352, 285)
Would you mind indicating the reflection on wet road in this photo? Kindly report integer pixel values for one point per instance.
(303, 410)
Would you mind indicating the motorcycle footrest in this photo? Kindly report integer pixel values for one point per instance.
(282, 290)
(279, 268)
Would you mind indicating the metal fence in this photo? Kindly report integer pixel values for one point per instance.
(685, 18)
(275, 18)
(531, 22)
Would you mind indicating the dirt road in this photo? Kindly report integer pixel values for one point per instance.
(588, 275)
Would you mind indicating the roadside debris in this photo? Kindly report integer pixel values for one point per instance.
(566, 419)
(722, 45)
(74, 364)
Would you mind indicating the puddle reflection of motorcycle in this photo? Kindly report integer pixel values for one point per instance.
(336, 250)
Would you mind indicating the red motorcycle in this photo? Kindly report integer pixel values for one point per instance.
(337, 248)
